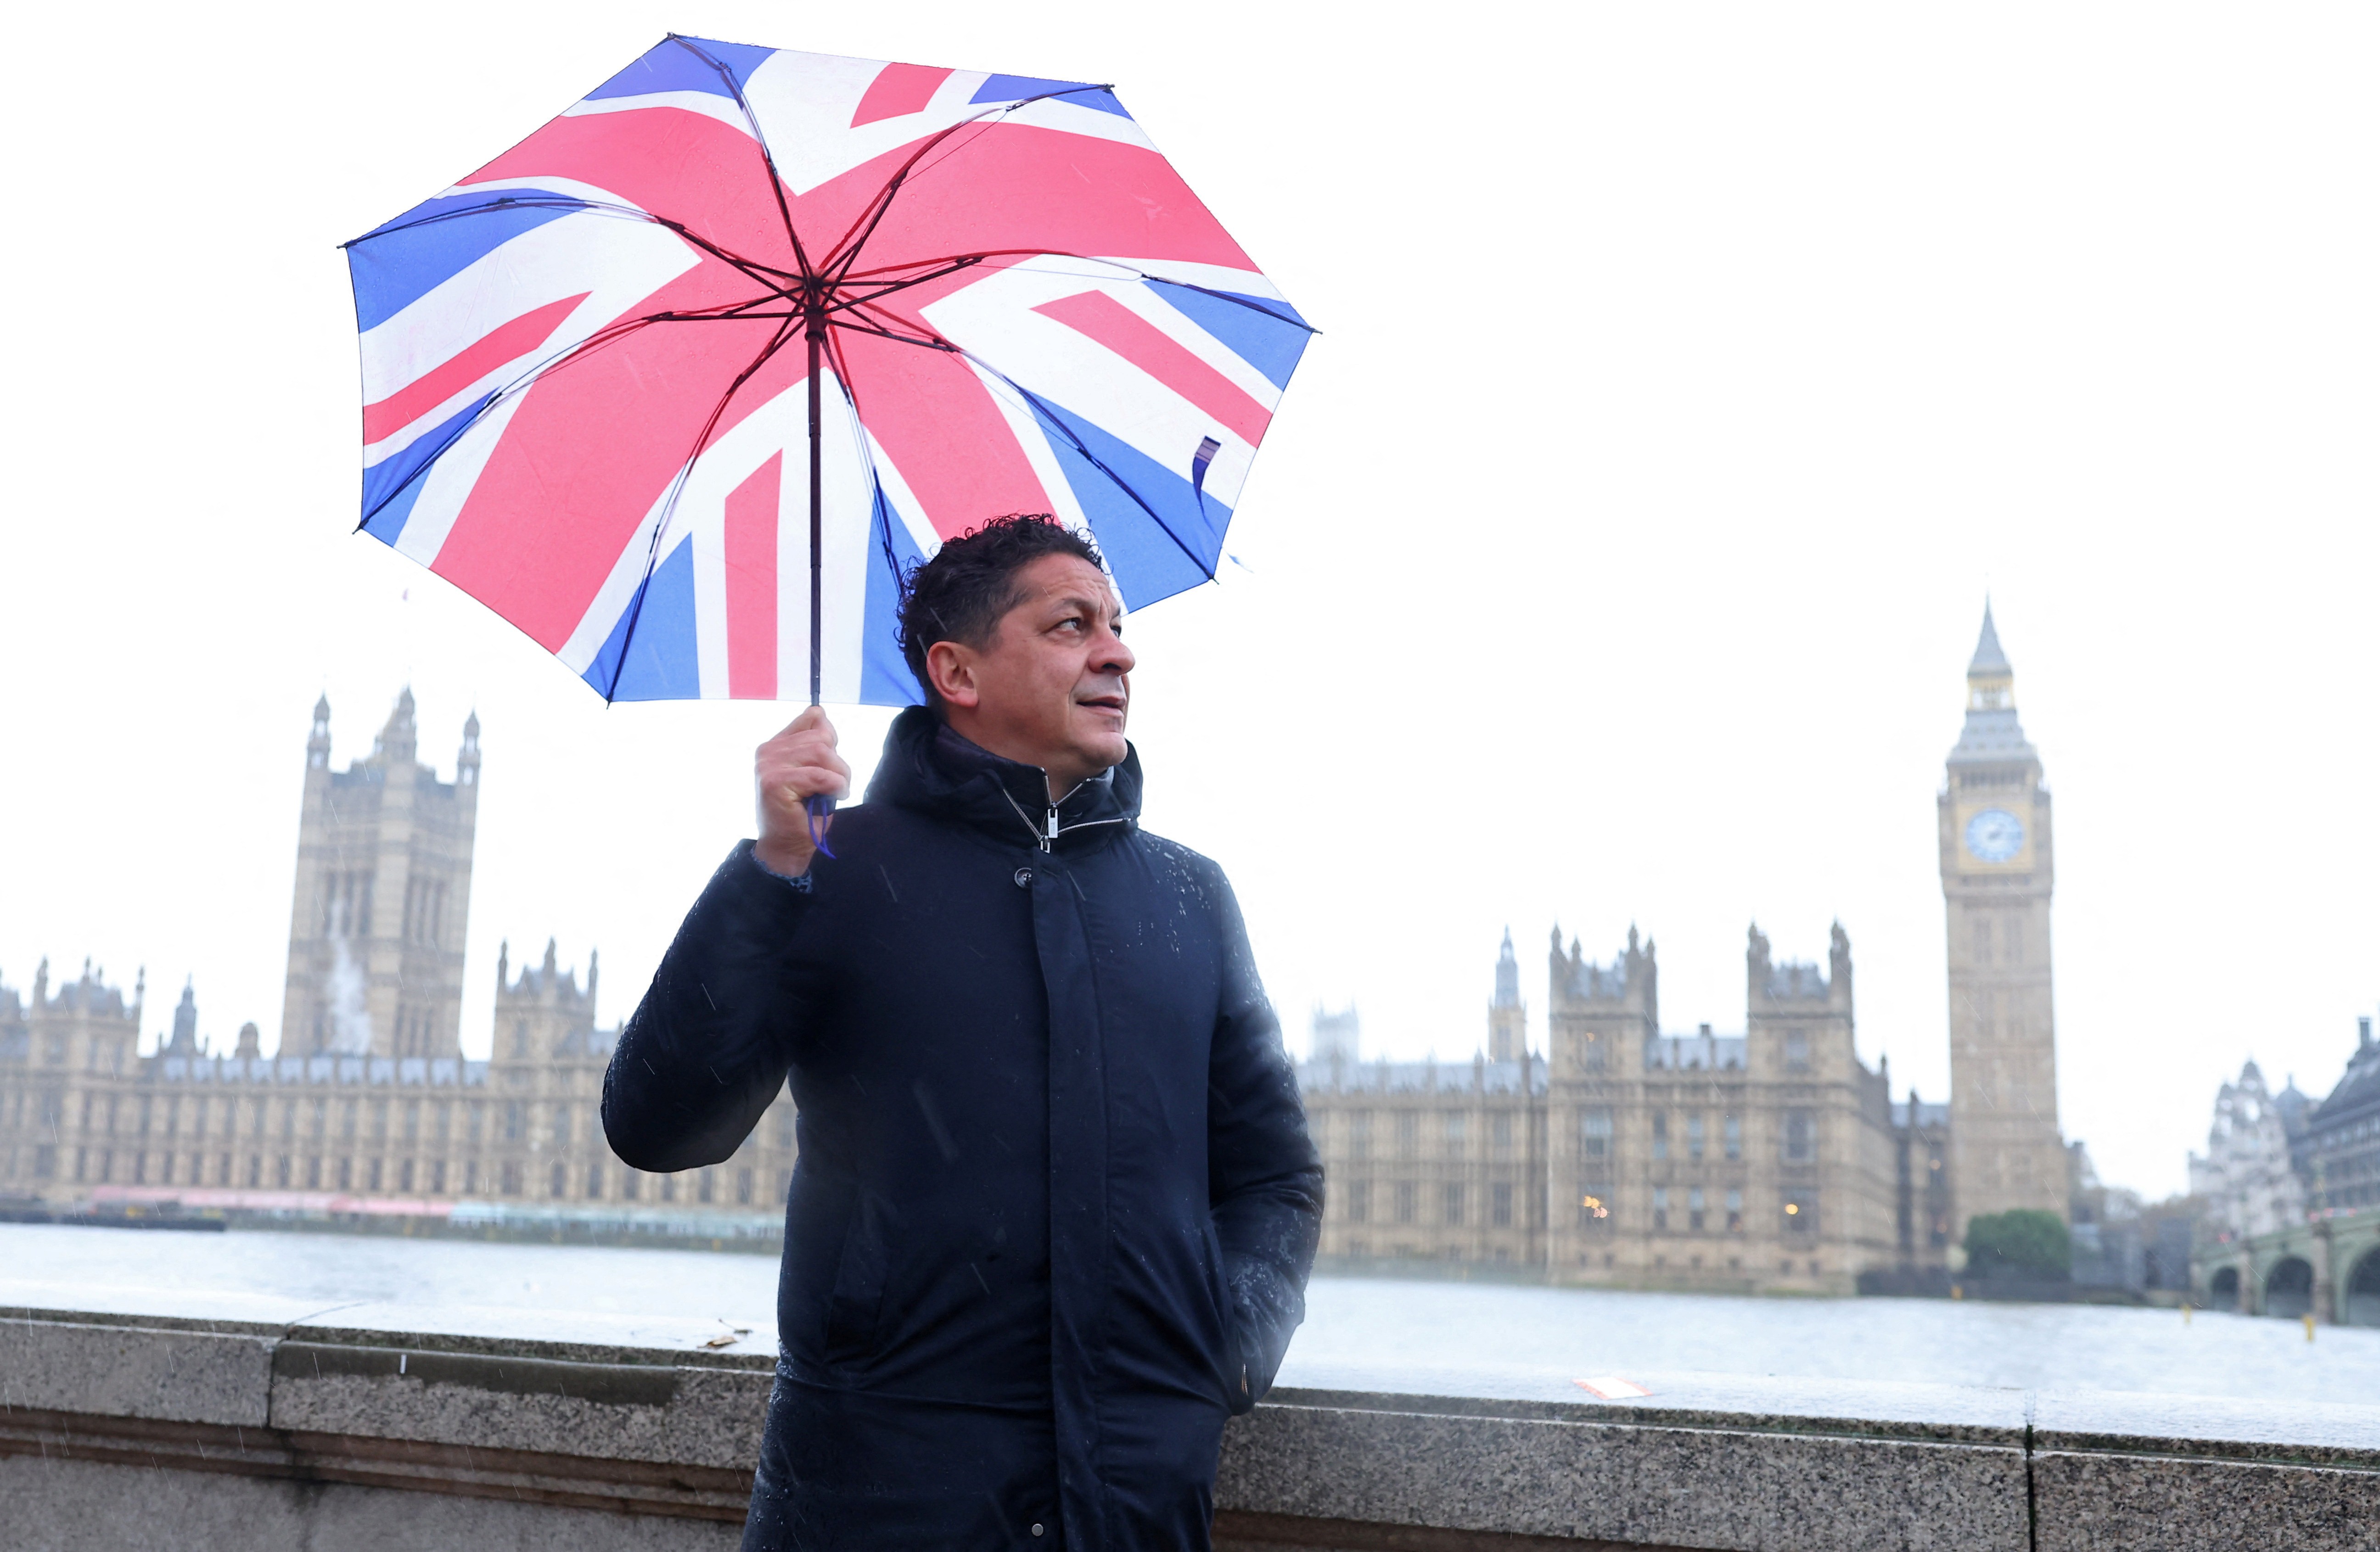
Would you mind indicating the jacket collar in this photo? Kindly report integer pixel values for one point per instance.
(928, 767)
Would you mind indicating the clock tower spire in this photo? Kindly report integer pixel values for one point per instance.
(1997, 874)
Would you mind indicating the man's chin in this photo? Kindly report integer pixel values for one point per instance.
(1103, 750)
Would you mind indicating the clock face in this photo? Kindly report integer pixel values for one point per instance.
(1995, 835)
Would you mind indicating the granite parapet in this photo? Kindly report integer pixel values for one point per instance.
(395, 1429)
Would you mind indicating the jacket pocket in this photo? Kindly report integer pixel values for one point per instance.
(1230, 1367)
(855, 1305)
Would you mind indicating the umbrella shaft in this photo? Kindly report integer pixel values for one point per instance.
(814, 326)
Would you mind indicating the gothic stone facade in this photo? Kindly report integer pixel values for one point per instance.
(376, 926)
(369, 1105)
(1768, 1160)
(85, 1119)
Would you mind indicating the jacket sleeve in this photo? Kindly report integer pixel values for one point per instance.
(707, 1048)
(1264, 1178)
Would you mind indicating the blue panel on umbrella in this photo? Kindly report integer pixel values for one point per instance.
(1254, 327)
(884, 676)
(1012, 89)
(392, 481)
(388, 523)
(659, 660)
(605, 671)
(396, 264)
(670, 65)
(1140, 548)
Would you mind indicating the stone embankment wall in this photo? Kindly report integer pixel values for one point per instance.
(132, 1431)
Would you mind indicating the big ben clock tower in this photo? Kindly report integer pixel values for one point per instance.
(2004, 1147)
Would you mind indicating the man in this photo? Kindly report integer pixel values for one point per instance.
(1055, 1204)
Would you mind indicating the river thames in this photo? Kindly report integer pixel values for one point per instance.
(1391, 1333)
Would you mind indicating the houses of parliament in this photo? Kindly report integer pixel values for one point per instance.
(1769, 1159)
(369, 1105)
(1618, 1153)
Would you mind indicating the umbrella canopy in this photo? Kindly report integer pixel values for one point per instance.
(679, 384)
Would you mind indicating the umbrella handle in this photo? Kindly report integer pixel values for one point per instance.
(820, 808)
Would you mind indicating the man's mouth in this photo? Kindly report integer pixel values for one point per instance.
(1103, 703)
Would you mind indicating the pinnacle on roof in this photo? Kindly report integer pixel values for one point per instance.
(1988, 657)
(1507, 975)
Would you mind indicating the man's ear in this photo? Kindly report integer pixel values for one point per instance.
(951, 667)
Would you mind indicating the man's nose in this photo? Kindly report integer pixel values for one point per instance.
(1113, 656)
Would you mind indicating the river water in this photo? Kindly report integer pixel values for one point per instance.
(1400, 1333)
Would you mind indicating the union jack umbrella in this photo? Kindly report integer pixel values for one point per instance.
(585, 406)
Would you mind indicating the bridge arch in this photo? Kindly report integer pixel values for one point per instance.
(2288, 1288)
(2223, 1289)
(2363, 1291)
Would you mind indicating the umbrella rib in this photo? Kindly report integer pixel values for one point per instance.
(1253, 304)
(1044, 415)
(508, 202)
(928, 342)
(767, 159)
(956, 260)
(952, 263)
(845, 252)
(677, 488)
(885, 289)
(750, 268)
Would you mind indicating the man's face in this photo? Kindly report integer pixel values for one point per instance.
(1054, 684)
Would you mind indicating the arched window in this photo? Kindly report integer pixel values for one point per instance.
(2363, 1292)
(2288, 1288)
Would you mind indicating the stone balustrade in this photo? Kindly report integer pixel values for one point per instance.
(253, 1430)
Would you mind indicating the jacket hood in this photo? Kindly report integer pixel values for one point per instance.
(931, 768)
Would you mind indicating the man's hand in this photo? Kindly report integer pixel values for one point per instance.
(796, 764)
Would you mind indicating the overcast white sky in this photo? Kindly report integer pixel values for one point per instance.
(1688, 375)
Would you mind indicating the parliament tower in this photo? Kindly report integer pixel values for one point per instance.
(376, 930)
(1996, 873)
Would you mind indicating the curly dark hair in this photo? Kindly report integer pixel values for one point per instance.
(960, 593)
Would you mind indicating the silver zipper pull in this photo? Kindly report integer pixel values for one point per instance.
(1046, 839)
